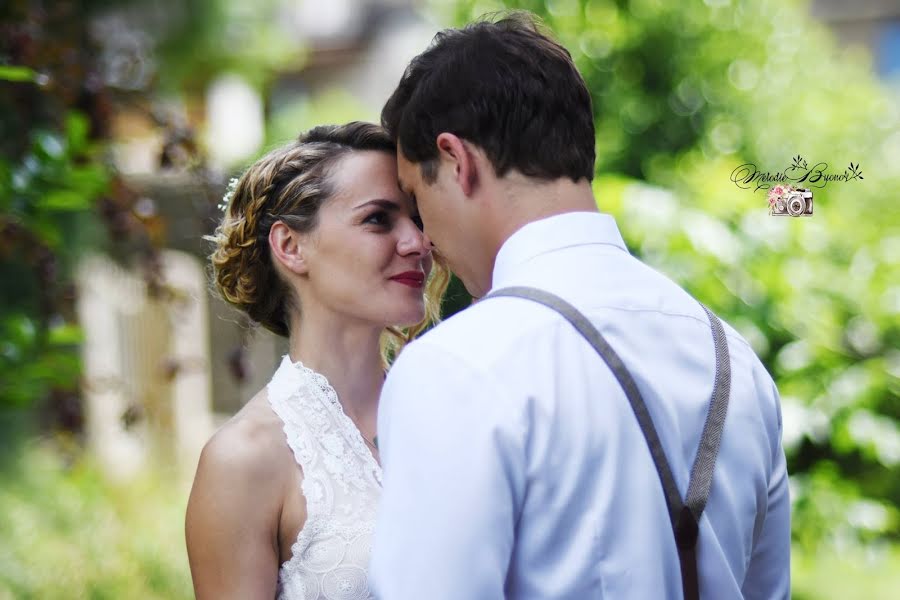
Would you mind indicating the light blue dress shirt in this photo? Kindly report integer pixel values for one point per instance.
(515, 468)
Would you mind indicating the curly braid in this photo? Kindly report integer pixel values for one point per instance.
(290, 184)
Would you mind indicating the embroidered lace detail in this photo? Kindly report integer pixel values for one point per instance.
(341, 485)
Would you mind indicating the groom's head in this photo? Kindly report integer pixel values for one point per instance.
(494, 104)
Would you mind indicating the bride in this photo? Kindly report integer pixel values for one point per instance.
(319, 245)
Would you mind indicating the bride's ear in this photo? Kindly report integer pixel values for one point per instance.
(288, 248)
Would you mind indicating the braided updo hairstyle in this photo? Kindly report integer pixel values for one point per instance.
(290, 184)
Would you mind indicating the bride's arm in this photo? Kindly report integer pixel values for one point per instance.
(232, 517)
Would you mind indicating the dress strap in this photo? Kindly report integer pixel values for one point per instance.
(283, 391)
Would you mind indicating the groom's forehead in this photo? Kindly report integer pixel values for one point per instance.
(405, 173)
(403, 188)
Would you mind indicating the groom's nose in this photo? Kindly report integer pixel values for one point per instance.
(414, 241)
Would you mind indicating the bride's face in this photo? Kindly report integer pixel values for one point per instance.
(367, 258)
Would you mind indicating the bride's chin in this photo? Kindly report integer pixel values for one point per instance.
(411, 318)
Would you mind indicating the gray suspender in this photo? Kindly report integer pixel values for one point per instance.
(684, 515)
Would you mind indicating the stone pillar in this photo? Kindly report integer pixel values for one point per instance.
(106, 294)
(147, 386)
(191, 394)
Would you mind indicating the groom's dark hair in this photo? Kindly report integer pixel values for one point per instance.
(505, 85)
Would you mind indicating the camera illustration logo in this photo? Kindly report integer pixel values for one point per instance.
(788, 201)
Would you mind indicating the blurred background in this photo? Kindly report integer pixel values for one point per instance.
(122, 121)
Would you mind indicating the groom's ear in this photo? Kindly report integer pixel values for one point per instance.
(457, 154)
(287, 248)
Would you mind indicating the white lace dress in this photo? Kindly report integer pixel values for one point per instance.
(341, 484)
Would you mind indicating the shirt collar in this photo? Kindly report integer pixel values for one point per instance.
(554, 233)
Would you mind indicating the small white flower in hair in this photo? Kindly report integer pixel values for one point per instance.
(229, 194)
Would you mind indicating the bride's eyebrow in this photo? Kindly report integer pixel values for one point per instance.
(380, 202)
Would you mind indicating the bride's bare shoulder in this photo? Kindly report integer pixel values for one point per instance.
(249, 447)
(232, 517)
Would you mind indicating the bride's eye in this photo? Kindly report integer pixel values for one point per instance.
(379, 218)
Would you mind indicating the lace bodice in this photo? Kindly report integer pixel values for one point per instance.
(341, 484)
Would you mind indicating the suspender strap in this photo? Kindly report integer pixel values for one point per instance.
(684, 516)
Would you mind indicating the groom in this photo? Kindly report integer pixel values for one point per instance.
(525, 458)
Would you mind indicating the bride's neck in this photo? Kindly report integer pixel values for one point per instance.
(348, 355)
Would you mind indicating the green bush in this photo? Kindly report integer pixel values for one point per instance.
(53, 182)
(46, 196)
(68, 532)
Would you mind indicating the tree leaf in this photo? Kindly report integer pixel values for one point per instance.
(65, 200)
(17, 73)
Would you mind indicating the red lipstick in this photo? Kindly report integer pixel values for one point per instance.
(415, 279)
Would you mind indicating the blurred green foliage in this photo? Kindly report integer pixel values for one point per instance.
(45, 196)
(68, 532)
(50, 177)
(67, 69)
(58, 197)
(201, 39)
(686, 92)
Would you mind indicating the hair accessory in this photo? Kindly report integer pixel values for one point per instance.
(229, 193)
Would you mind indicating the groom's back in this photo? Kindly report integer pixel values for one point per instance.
(591, 518)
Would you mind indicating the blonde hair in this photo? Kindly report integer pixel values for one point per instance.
(290, 185)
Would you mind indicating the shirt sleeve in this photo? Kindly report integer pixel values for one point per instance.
(769, 573)
(452, 455)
